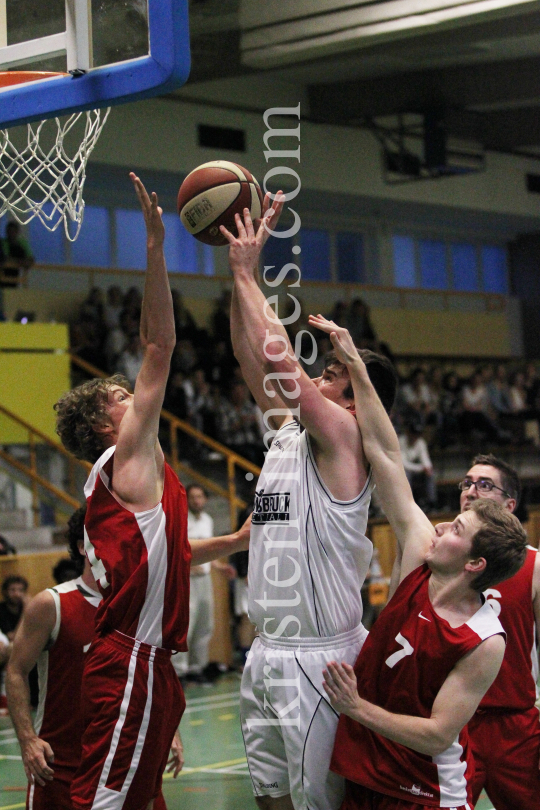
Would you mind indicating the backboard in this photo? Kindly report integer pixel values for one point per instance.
(111, 52)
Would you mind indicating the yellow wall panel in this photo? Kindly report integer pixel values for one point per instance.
(31, 381)
(412, 331)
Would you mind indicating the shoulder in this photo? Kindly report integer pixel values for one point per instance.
(41, 611)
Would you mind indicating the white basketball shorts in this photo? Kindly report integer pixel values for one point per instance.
(287, 720)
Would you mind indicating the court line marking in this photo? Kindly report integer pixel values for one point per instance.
(211, 768)
(10, 756)
(6, 731)
(9, 740)
(212, 698)
(223, 705)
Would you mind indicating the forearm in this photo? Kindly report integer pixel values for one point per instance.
(18, 696)
(260, 324)
(157, 315)
(203, 551)
(419, 733)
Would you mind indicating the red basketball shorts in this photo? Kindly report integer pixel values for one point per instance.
(506, 750)
(51, 796)
(358, 797)
(132, 704)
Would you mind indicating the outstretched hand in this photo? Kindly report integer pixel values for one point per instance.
(246, 248)
(155, 230)
(346, 351)
(340, 686)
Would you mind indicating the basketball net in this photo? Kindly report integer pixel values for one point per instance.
(40, 178)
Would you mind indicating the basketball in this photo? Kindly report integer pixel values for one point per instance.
(212, 194)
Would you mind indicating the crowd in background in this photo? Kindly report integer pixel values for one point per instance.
(498, 404)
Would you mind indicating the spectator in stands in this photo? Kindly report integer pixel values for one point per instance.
(15, 256)
(360, 326)
(185, 357)
(200, 403)
(339, 313)
(117, 340)
(450, 410)
(65, 570)
(113, 307)
(219, 364)
(238, 425)
(221, 319)
(186, 328)
(499, 392)
(532, 384)
(418, 466)
(92, 308)
(417, 399)
(15, 597)
(475, 404)
(130, 361)
(528, 417)
(175, 396)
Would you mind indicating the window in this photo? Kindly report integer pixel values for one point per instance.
(130, 239)
(47, 247)
(433, 273)
(404, 261)
(315, 254)
(93, 246)
(464, 267)
(277, 252)
(180, 247)
(350, 257)
(494, 269)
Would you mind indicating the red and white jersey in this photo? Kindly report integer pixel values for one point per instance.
(514, 688)
(401, 667)
(140, 560)
(60, 667)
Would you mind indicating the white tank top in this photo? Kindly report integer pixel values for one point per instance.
(308, 553)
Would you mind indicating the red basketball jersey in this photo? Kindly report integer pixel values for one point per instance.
(139, 560)
(514, 688)
(60, 667)
(402, 666)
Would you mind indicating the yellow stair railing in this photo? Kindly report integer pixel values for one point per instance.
(36, 480)
(175, 424)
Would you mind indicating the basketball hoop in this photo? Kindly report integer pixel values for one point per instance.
(42, 175)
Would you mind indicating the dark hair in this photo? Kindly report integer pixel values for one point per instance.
(501, 541)
(14, 579)
(65, 570)
(509, 477)
(380, 370)
(75, 535)
(196, 486)
(78, 413)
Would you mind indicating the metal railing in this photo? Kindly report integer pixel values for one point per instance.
(174, 424)
(30, 470)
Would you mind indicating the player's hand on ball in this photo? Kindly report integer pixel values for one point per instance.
(176, 758)
(346, 351)
(340, 686)
(152, 212)
(246, 248)
(36, 756)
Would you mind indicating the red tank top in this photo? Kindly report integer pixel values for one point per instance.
(140, 560)
(60, 668)
(402, 666)
(512, 602)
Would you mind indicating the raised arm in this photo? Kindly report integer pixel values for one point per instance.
(30, 639)
(381, 446)
(455, 704)
(138, 462)
(253, 371)
(327, 422)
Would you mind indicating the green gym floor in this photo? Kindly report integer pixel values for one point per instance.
(215, 775)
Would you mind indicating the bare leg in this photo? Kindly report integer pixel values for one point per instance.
(271, 803)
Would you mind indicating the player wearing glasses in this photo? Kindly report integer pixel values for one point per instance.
(504, 732)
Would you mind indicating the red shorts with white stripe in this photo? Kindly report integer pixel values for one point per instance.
(358, 797)
(506, 750)
(132, 704)
(55, 796)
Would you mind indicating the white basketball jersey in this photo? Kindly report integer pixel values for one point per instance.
(308, 554)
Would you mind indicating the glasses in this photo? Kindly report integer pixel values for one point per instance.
(483, 486)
